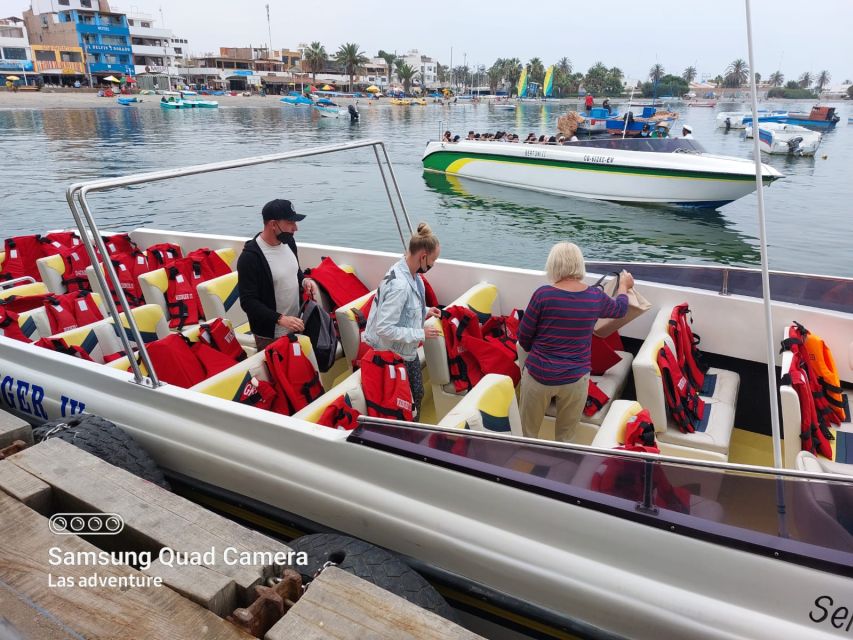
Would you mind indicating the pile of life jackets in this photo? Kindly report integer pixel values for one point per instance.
(184, 275)
(625, 478)
(64, 311)
(294, 382)
(385, 382)
(22, 252)
(683, 373)
(340, 414)
(814, 377)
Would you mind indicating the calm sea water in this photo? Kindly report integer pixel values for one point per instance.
(43, 151)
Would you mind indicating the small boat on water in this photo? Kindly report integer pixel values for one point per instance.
(666, 171)
(649, 116)
(189, 104)
(786, 139)
(819, 118)
(401, 102)
(702, 103)
(296, 99)
(504, 106)
(595, 120)
(739, 119)
(127, 100)
(328, 109)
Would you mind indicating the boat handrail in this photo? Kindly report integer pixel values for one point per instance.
(95, 246)
(14, 282)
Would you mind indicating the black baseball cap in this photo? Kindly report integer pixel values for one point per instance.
(280, 210)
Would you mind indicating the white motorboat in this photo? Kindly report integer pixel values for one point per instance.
(525, 532)
(671, 171)
(739, 119)
(786, 139)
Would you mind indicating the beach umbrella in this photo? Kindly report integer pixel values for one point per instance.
(372, 89)
(112, 79)
(12, 78)
(327, 88)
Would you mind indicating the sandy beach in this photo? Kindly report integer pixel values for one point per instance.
(87, 100)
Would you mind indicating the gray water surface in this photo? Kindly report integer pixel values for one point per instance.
(43, 151)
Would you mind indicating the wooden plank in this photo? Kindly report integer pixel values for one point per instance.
(340, 606)
(13, 428)
(154, 518)
(210, 589)
(25, 487)
(131, 612)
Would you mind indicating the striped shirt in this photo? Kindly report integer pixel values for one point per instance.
(557, 327)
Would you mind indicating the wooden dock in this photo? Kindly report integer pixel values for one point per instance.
(36, 602)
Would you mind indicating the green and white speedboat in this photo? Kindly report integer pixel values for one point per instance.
(669, 171)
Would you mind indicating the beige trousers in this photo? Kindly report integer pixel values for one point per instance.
(536, 397)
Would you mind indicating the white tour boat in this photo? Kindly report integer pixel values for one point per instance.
(667, 171)
(786, 139)
(740, 119)
(524, 532)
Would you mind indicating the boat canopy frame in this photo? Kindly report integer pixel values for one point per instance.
(81, 210)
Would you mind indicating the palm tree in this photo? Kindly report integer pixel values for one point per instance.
(777, 79)
(737, 73)
(352, 58)
(442, 73)
(315, 58)
(564, 66)
(823, 79)
(495, 74)
(805, 80)
(406, 72)
(512, 71)
(536, 70)
(656, 73)
(390, 60)
(689, 74)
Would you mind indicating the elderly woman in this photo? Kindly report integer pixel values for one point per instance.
(556, 330)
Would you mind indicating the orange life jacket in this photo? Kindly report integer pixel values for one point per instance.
(71, 310)
(385, 382)
(687, 345)
(340, 415)
(258, 393)
(823, 364)
(9, 325)
(20, 259)
(60, 346)
(595, 399)
(296, 381)
(826, 416)
(341, 286)
(682, 400)
(222, 338)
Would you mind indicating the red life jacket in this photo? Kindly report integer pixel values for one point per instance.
(604, 355)
(71, 310)
(160, 255)
(258, 393)
(812, 436)
(685, 406)
(340, 415)
(595, 399)
(181, 299)
(63, 238)
(502, 331)
(385, 382)
(361, 315)
(213, 360)
(640, 433)
(9, 325)
(212, 265)
(60, 346)
(295, 379)
(75, 260)
(341, 286)
(118, 243)
(19, 304)
(795, 343)
(430, 299)
(175, 362)
(687, 345)
(221, 337)
(128, 268)
(469, 356)
(20, 259)
(624, 478)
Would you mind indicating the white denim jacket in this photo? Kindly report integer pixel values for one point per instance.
(396, 321)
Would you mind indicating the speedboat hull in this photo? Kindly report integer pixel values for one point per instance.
(586, 171)
(786, 139)
(329, 112)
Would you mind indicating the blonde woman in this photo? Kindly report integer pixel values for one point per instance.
(556, 331)
(396, 322)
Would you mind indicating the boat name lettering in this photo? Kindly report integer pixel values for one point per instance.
(20, 395)
(825, 610)
(598, 159)
(534, 153)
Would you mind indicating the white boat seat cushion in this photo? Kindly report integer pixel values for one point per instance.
(490, 406)
(51, 269)
(348, 325)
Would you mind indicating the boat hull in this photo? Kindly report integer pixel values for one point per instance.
(784, 139)
(601, 174)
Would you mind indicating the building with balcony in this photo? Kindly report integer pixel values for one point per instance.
(59, 64)
(159, 58)
(223, 72)
(91, 25)
(15, 58)
(425, 66)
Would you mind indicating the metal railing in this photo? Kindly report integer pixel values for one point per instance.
(76, 195)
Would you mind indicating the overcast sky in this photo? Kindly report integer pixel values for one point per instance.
(791, 35)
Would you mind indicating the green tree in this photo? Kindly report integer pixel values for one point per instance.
(460, 75)
(674, 85)
(613, 84)
(390, 60)
(353, 60)
(406, 73)
(315, 58)
(536, 71)
(777, 78)
(442, 72)
(757, 78)
(562, 76)
(495, 74)
(823, 79)
(792, 84)
(689, 74)
(718, 81)
(737, 74)
(512, 71)
(595, 79)
(805, 80)
(656, 73)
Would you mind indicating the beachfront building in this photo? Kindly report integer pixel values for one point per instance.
(159, 58)
(101, 34)
(15, 58)
(426, 67)
(223, 71)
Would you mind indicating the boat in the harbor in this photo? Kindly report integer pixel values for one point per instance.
(819, 118)
(702, 103)
(667, 171)
(595, 120)
(401, 102)
(504, 106)
(631, 125)
(188, 104)
(328, 109)
(296, 99)
(591, 531)
(786, 139)
(127, 100)
(739, 119)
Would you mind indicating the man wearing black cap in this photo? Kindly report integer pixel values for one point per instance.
(270, 277)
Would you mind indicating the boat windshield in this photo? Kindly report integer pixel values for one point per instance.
(655, 145)
(800, 520)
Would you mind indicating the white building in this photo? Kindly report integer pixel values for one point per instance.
(158, 56)
(15, 55)
(425, 66)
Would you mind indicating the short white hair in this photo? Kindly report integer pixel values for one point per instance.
(565, 261)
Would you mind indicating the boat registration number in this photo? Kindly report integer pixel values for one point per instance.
(598, 159)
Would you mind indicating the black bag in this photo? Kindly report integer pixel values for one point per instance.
(320, 329)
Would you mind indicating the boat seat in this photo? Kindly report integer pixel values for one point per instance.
(51, 269)
(842, 445)
(229, 384)
(818, 510)
(719, 406)
(30, 289)
(483, 300)
(490, 406)
(97, 339)
(351, 386)
(220, 298)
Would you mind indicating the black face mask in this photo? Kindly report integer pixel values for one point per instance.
(424, 269)
(283, 236)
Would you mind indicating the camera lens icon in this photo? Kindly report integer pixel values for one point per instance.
(86, 524)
